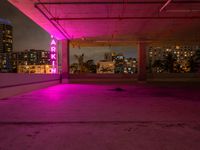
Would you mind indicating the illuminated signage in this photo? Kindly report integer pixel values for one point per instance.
(53, 54)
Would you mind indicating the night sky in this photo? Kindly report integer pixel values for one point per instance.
(97, 53)
(26, 33)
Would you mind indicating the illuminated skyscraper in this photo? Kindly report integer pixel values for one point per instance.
(6, 37)
(6, 46)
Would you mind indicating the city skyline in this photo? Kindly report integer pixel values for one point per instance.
(26, 33)
(128, 51)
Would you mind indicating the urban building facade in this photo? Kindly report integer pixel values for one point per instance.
(113, 63)
(28, 61)
(121, 63)
(33, 57)
(6, 36)
(6, 46)
(37, 69)
(173, 59)
(33, 61)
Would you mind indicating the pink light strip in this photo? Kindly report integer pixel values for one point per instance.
(53, 54)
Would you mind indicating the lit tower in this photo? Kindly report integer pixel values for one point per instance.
(6, 38)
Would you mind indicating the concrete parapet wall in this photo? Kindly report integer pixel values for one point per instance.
(174, 75)
(12, 84)
(102, 76)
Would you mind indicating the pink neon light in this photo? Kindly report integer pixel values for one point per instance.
(53, 54)
(53, 49)
(53, 70)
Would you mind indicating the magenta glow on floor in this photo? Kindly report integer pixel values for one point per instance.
(92, 116)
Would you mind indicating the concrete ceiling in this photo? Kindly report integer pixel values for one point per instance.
(116, 20)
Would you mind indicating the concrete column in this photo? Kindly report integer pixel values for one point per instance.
(65, 59)
(142, 72)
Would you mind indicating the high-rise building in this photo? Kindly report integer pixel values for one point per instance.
(6, 37)
(117, 64)
(6, 46)
(180, 58)
(33, 57)
(33, 61)
(130, 65)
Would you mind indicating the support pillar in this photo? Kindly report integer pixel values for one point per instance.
(142, 72)
(65, 59)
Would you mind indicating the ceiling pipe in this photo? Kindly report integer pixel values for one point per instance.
(45, 15)
(54, 23)
(125, 18)
(111, 3)
(165, 5)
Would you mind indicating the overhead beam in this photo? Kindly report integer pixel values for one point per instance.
(124, 18)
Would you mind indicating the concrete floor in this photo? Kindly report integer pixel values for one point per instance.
(103, 117)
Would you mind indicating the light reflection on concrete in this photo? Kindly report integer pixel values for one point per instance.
(100, 116)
